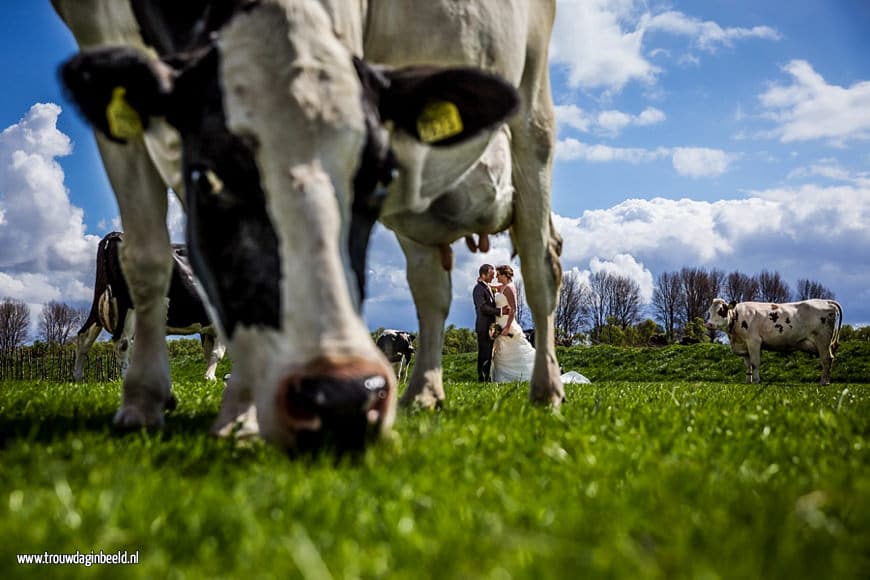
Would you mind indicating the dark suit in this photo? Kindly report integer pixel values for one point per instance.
(484, 306)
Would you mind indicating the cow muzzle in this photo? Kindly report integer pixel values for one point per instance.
(338, 407)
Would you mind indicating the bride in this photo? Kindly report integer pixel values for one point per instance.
(513, 357)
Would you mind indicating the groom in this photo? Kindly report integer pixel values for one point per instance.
(486, 310)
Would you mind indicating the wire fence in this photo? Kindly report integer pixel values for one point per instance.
(27, 364)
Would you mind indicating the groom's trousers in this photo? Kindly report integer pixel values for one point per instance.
(484, 356)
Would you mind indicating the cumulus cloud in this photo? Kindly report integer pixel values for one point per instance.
(692, 162)
(701, 161)
(571, 149)
(608, 122)
(44, 251)
(809, 108)
(603, 43)
(809, 231)
(707, 35)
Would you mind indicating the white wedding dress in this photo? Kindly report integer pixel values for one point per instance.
(513, 358)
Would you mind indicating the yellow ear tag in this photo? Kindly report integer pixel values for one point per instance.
(124, 121)
(438, 121)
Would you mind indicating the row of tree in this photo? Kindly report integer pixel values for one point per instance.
(607, 307)
(58, 323)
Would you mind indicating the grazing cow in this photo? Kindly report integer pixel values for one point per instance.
(293, 144)
(811, 326)
(112, 309)
(398, 347)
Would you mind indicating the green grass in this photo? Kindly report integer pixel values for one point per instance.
(639, 476)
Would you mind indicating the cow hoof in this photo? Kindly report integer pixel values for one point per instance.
(425, 400)
(133, 419)
(242, 427)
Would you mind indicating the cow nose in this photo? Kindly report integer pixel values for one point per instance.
(340, 411)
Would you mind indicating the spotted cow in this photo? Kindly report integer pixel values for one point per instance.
(301, 122)
(112, 309)
(812, 326)
(398, 347)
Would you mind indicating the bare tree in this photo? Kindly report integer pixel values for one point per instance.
(570, 315)
(58, 322)
(772, 288)
(666, 301)
(624, 301)
(699, 288)
(740, 287)
(14, 322)
(611, 300)
(596, 301)
(808, 289)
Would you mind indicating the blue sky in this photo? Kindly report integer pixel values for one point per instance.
(729, 134)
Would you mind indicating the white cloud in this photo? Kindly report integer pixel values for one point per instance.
(602, 42)
(574, 117)
(608, 122)
(707, 35)
(649, 116)
(701, 161)
(571, 149)
(809, 108)
(810, 231)
(692, 162)
(626, 265)
(44, 251)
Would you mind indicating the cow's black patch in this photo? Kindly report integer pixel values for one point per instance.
(824, 319)
(773, 316)
(233, 245)
(744, 325)
(779, 327)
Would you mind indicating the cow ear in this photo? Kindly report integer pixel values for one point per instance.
(117, 89)
(445, 106)
(732, 305)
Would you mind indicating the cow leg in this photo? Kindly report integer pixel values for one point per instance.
(747, 364)
(430, 287)
(213, 350)
(84, 341)
(827, 358)
(146, 261)
(537, 242)
(754, 354)
(238, 414)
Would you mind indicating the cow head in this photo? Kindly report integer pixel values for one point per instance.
(719, 315)
(285, 139)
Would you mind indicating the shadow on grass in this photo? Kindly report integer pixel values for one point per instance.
(48, 429)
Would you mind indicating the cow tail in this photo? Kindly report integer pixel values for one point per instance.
(835, 339)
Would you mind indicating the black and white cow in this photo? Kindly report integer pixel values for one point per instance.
(289, 139)
(811, 326)
(398, 347)
(112, 309)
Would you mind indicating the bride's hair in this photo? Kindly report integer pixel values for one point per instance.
(505, 270)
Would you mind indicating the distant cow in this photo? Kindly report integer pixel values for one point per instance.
(112, 309)
(397, 346)
(811, 326)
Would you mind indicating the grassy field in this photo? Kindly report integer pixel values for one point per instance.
(659, 469)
